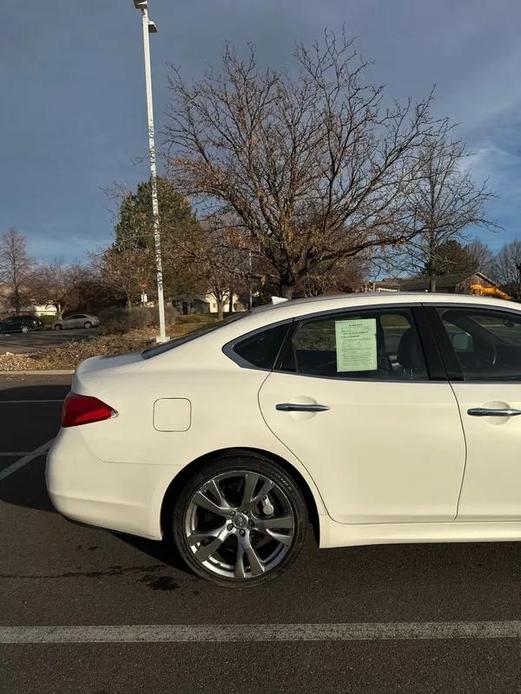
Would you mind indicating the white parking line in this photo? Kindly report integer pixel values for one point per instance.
(176, 633)
(26, 459)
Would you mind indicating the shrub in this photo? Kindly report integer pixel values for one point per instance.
(120, 320)
(48, 321)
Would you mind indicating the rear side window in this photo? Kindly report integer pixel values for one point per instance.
(487, 343)
(260, 349)
(379, 344)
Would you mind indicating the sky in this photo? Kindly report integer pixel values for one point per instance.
(72, 104)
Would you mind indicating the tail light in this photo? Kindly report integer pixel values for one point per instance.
(84, 409)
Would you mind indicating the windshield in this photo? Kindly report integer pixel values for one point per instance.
(154, 350)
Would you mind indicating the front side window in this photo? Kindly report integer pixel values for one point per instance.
(381, 344)
(487, 343)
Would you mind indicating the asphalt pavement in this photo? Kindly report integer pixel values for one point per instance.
(408, 599)
(39, 340)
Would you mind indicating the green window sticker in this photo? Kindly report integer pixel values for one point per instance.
(356, 345)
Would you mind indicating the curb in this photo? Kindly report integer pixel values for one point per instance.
(39, 372)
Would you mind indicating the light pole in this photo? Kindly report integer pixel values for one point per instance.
(150, 28)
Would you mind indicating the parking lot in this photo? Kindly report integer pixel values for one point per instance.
(378, 619)
(39, 340)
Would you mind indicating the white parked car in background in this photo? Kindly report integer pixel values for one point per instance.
(377, 418)
(78, 320)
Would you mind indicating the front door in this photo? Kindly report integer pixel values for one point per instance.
(484, 352)
(352, 399)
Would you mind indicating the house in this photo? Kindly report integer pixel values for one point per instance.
(32, 309)
(206, 303)
(41, 309)
(4, 299)
(7, 308)
(455, 283)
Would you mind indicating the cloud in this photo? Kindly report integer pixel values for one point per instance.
(73, 96)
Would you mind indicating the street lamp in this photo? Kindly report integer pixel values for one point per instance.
(150, 28)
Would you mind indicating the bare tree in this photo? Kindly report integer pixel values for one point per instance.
(482, 255)
(87, 292)
(209, 257)
(506, 268)
(15, 266)
(314, 166)
(125, 269)
(348, 276)
(444, 203)
(51, 283)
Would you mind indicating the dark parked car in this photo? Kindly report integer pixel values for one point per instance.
(20, 324)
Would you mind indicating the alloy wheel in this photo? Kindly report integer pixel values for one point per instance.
(239, 525)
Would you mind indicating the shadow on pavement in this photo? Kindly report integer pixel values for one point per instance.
(26, 487)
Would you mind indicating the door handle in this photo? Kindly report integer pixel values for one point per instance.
(492, 412)
(298, 407)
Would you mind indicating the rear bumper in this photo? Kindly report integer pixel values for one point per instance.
(119, 496)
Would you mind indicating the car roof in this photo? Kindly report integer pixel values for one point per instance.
(263, 316)
(286, 310)
(325, 303)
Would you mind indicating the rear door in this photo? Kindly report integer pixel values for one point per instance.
(482, 349)
(353, 398)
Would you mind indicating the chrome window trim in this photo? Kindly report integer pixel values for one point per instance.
(227, 348)
(293, 322)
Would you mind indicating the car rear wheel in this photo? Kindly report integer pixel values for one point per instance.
(25, 329)
(58, 326)
(87, 324)
(241, 520)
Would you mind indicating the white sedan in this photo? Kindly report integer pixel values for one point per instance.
(376, 417)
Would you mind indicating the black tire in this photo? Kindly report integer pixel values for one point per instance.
(285, 500)
(87, 325)
(25, 329)
(58, 327)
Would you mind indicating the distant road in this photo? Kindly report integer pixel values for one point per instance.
(38, 340)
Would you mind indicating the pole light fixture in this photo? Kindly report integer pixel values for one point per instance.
(149, 27)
